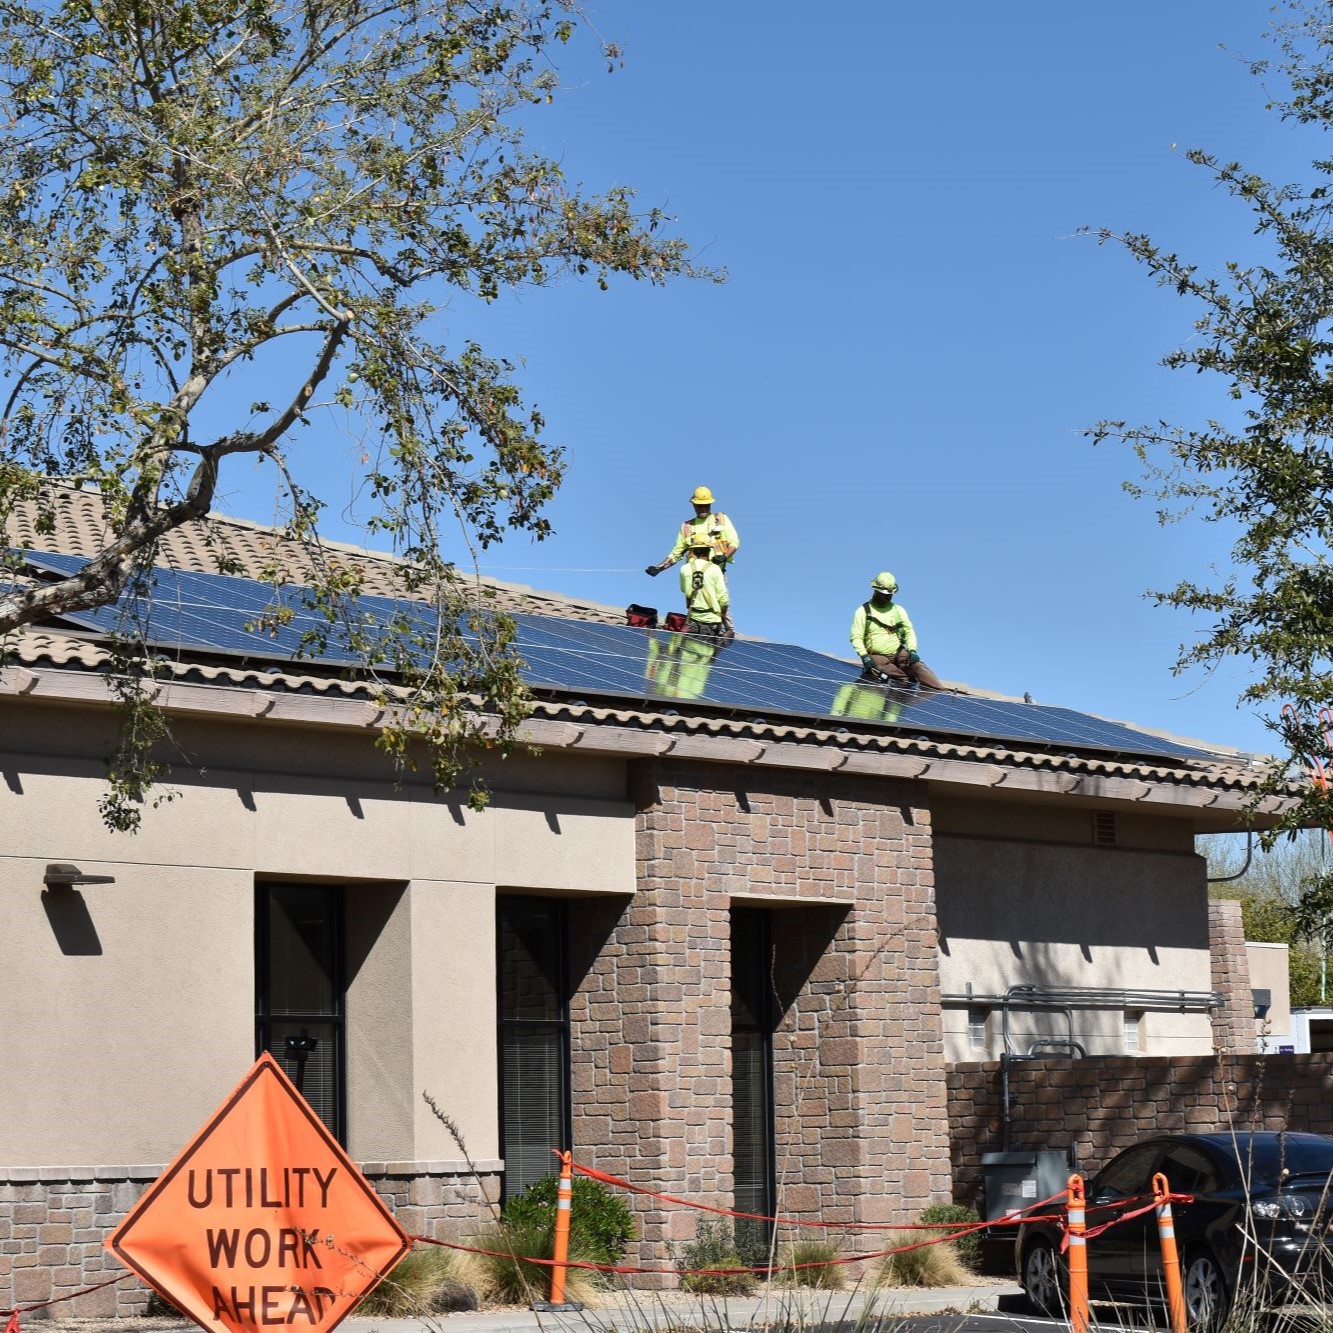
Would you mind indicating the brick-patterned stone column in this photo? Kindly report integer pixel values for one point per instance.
(1233, 1023)
(845, 864)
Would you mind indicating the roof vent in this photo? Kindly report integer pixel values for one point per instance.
(1103, 828)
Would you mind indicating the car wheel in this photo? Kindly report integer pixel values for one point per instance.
(1206, 1296)
(1042, 1274)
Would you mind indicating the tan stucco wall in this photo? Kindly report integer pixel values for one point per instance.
(171, 992)
(1270, 969)
(1014, 913)
(115, 989)
(1053, 818)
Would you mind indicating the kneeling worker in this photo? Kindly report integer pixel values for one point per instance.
(884, 640)
(707, 602)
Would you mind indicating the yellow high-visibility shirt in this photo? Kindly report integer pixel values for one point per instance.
(882, 632)
(722, 538)
(709, 599)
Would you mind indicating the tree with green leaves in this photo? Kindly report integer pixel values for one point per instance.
(1264, 332)
(195, 193)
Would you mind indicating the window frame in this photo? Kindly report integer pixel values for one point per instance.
(765, 1023)
(565, 1111)
(264, 1016)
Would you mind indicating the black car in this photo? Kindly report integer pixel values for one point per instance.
(1261, 1206)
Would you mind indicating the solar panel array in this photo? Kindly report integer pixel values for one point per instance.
(220, 614)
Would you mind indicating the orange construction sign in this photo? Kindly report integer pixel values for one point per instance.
(262, 1220)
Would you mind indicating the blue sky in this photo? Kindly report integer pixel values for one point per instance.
(912, 336)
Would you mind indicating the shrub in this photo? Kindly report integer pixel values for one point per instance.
(714, 1246)
(969, 1246)
(927, 1266)
(809, 1263)
(427, 1281)
(601, 1225)
(506, 1278)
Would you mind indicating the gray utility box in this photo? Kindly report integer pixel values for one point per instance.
(1013, 1181)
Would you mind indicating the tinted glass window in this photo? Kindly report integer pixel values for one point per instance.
(1188, 1171)
(1130, 1173)
(753, 1018)
(533, 1021)
(299, 986)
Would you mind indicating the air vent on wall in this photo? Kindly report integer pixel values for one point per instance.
(1103, 828)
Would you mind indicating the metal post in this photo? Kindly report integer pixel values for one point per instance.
(1078, 1255)
(1166, 1229)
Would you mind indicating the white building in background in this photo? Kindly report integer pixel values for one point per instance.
(1312, 1029)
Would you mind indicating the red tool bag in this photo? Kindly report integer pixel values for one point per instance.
(641, 617)
(675, 621)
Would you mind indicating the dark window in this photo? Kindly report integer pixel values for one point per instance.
(1130, 1174)
(533, 1013)
(752, 1022)
(300, 992)
(1188, 1171)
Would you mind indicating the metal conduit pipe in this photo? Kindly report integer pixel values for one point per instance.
(1249, 855)
(1088, 997)
(1066, 999)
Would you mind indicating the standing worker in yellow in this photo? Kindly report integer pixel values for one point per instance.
(884, 640)
(707, 602)
(723, 543)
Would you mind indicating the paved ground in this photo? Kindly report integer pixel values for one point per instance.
(647, 1310)
(941, 1307)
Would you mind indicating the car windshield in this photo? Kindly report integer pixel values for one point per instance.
(1265, 1156)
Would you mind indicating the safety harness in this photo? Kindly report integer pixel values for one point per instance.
(895, 630)
(718, 525)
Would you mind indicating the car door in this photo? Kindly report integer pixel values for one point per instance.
(1188, 1171)
(1118, 1259)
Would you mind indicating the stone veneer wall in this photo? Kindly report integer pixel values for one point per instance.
(859, 1079)
(1233, 1024)
(53, 1222)
(1105, 1103)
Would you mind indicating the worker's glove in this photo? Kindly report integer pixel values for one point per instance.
(913, 657)
(653, 570)
(720, 561)
(868, 662)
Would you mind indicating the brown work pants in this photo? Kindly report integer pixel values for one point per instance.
(898, 667)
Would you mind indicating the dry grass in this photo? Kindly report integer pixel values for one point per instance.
(926, 1266)
(809, 1263)
(427, 1281)
(504, 1277)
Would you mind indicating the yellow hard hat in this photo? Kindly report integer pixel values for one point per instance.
(700, 540)
(884, 582)
(702, 496)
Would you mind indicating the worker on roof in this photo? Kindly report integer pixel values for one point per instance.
(707, 602)
(884, 640)
(723, 543)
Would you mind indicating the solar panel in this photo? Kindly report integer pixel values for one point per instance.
(222, 614)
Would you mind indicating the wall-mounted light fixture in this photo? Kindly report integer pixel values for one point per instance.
(62, 875)
(1263, 1001)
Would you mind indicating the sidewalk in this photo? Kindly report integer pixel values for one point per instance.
(645, 1310)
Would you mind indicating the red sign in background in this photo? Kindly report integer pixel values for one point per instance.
(262, 1220)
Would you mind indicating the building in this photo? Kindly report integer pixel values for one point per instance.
(712, 949)
(1270, 984)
